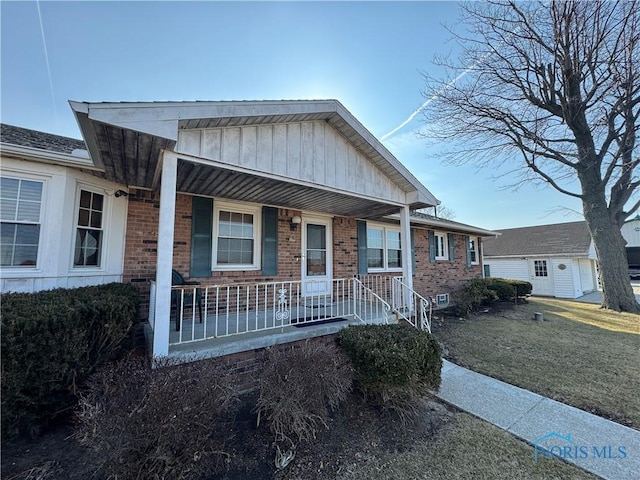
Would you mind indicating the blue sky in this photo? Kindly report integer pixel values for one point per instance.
(368, 55)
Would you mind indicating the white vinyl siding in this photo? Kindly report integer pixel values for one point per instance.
(58, 226)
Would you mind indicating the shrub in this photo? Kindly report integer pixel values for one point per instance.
(484, 291)
(396, 365)
(155, 423)
(52, 341)
(298, 386)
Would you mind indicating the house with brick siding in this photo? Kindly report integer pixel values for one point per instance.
(244, 224)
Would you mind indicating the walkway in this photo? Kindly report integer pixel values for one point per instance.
(603, 447)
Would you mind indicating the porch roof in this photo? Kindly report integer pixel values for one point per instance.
(126, 139)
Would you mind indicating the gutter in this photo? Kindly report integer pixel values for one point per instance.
(47, 156)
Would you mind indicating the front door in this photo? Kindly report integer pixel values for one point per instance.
(316, 248)
(541, 279)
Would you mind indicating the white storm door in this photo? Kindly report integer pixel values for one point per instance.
(316, 256)
(541, 277)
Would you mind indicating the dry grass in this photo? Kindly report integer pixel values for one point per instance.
(471, 448)
(580, 354)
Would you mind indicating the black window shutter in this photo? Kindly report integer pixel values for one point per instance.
(269, 241)
(468, 240)
(201, 235)
(363, 262)
(432, 246)
(452, 247)
(413, 251)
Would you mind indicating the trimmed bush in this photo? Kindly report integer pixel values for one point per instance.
(156, 423)
(485, 291)
(51, 342)
(298, 386)
(396, 365)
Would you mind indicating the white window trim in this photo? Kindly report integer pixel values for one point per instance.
(29, 270)
(106, 214)
(476, 243)
(385, 257)
(445, 245)
(237, 207)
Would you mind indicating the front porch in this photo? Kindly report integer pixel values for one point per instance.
(215, 320)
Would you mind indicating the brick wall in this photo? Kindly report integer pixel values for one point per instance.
(246, 366)
(141, 251)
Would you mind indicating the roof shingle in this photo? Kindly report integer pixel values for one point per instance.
(571, 238)
(24, 137)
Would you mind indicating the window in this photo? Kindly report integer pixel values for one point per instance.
(540, 268)
(442, 246)
(236, 236)
(473, 250)
(20, 202)
(88, 251)
(384, 251)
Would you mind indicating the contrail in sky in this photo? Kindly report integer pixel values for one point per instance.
(428, 101)
(46, 58)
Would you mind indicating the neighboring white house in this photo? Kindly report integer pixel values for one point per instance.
(631, 233)
(559, 260)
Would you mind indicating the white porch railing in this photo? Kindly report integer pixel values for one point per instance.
(254, 307)
(410, 306)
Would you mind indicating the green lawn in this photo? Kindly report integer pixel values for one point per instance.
(469, 448)
(580, 354)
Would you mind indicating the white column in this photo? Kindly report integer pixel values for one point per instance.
(405, 240)
(169, 176)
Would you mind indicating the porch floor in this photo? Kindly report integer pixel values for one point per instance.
(227, 333)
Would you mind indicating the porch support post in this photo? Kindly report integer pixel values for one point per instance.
(164, 264)
(405, 241)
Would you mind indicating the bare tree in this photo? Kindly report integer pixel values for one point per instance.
(553, 89)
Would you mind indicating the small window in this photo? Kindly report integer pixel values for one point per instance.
(20, 205)
(442, 246)
(88, 250)
(235, 236)
(540, 268)
(384, 251)
(473, 250)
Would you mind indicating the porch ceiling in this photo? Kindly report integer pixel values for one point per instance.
(200, 179)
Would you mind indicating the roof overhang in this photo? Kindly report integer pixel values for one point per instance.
(126, 138)
(448, 225)
(46, 156)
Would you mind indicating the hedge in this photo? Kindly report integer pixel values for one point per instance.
(52, 341)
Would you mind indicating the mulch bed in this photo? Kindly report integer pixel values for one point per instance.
(357, 433)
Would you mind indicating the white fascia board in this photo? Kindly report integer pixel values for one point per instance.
(451, 226)
(423, 194)
(47, 156)
(537, 255)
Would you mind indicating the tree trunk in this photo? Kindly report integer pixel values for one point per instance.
(610, 247)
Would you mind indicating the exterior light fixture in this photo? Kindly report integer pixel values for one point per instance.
(294, 223)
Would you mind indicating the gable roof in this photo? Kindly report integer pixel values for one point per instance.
(571, 238)
(12, 135)
(152, 126)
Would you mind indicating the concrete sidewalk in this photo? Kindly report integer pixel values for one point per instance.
(600, 446)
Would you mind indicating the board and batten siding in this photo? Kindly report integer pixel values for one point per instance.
(514, 269)
(305, 151)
